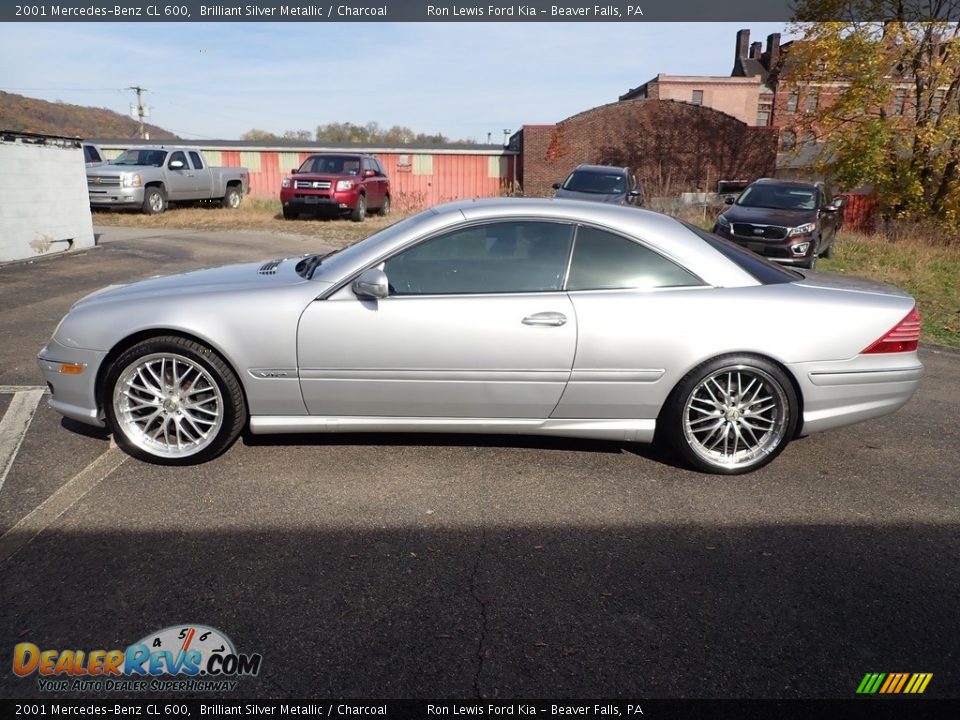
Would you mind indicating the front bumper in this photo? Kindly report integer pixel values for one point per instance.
(71, 375)
(783, 251)
(323, 201)
(115, 196)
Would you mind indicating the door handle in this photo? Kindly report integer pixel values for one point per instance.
(553, 319)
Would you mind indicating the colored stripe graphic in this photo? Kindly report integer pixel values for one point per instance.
(894, 683)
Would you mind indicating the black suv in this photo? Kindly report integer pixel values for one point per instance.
(600, 183)
(787, 221)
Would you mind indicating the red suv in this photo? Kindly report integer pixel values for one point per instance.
(336, 184)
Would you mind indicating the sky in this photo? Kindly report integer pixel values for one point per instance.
(464, 80)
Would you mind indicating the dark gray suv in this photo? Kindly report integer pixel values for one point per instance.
(788, 221)
(600, 183)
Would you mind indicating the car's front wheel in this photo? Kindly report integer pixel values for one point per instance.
(360, 210)
(732, 414)
(172, 401)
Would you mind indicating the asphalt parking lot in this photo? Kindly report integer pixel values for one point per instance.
(392, 566)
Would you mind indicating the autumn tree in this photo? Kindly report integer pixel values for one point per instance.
(889, 108)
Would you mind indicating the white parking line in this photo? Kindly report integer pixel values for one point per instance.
(13, 426)
(47, 512)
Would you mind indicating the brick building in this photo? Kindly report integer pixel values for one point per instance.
(672, 146)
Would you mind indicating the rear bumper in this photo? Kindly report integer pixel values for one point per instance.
(845, 392)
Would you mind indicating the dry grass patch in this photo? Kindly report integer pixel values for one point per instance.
(253, 214)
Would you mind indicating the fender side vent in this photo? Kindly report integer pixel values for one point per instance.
(270, 268)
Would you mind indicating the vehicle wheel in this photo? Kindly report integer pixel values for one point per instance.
(811, 262)
(232, 198)
(385, 208)
(828, 253)
(289, 214)
(731, 415)
(154, 201)
(173, 401)
(360, 211)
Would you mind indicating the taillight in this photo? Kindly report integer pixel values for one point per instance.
(903, 337)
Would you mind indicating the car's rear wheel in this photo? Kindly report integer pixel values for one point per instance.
(828, 251)
(732, 414)
(385, 208)
(173, 401)
(360, 211)
(154, 200)
(232, 198)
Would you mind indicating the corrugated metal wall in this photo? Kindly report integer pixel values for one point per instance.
(417, 179)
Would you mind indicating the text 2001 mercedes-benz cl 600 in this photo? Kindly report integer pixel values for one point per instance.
(545, 317)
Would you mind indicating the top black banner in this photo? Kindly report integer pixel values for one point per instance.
(481, 11)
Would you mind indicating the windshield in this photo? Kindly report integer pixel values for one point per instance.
(779, 198)
(331, 165)
(141, 157)
(596, 181)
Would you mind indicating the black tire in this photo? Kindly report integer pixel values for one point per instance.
(811, 262)
(232, 198)
(154, 200)
(828, 252)
(385, 208)
(360, 211)
(289, 214)
(182, 408)
(705, 426)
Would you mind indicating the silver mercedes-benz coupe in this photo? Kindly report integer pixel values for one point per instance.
(546, 317)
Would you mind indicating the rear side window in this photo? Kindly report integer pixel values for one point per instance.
(761, 269)
(197, 162)
(604, 261)
(91, 154)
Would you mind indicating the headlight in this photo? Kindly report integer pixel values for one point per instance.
(804, 229)
(344, 184)
(285, 182)
(132, 180)
(722, 221)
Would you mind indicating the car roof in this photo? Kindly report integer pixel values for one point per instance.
(600, 168)
(779, 182)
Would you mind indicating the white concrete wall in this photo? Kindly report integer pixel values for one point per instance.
(44, 207)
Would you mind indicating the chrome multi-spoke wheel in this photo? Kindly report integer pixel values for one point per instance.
(734, 414)
(168, 404)
(173, 401)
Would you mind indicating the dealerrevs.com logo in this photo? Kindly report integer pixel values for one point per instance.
(180, 658)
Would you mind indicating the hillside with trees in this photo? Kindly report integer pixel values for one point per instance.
(25, 114)
(347, 132)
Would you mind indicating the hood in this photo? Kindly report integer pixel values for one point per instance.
(769, 216)
(614, 198)
(229, 278)
(836, 281)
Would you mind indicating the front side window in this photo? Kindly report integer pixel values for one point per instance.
(504, 257)
(91, 154)
(604, 261)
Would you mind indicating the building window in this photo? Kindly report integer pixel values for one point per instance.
(808, 139)
(792, 100)
(697, 97)
(788, 140)
(763, 114)
(899, 101)
(813, 100)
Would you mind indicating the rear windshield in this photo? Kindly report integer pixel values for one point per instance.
(762, 270)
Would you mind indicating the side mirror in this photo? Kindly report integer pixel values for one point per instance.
(556, 186)
(369, 173)
(176, 165)
(294, 171)
(729, 200)
(372, 284)
(634, 193)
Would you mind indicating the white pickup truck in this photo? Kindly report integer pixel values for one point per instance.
(150, 178)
